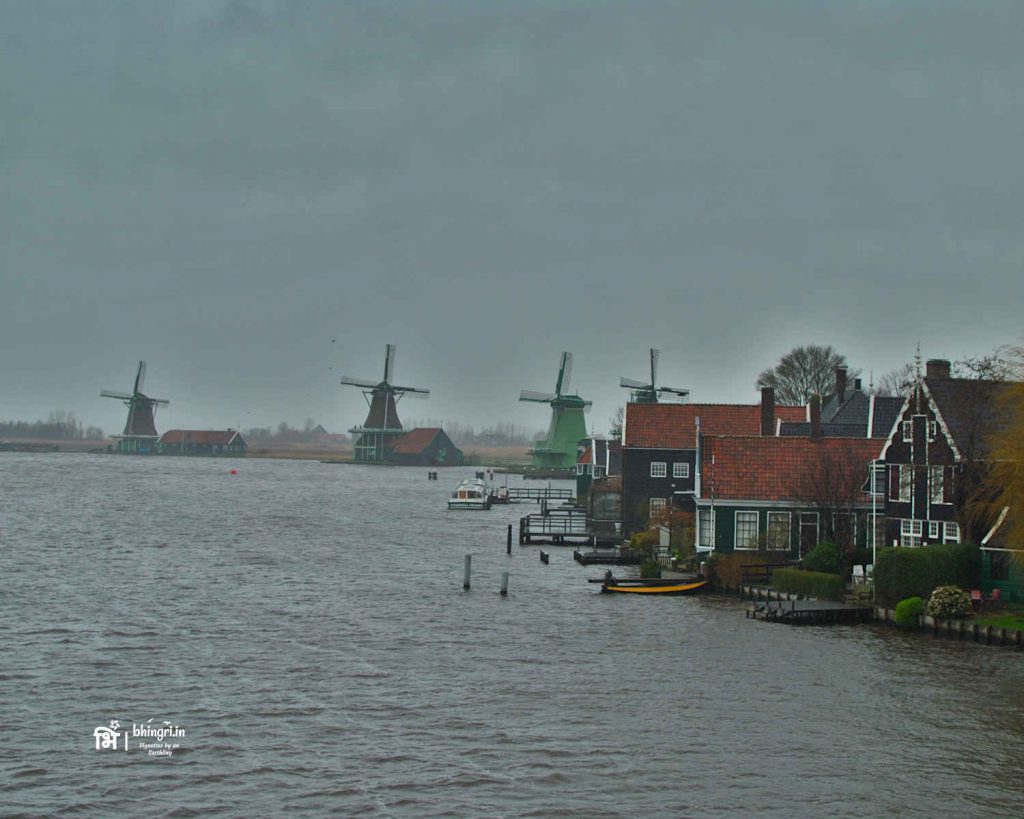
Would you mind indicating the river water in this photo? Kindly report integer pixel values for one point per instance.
(305, 625)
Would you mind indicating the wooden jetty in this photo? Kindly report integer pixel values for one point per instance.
(809, 612)
(554, 526)
(539, 494)
(608, 557)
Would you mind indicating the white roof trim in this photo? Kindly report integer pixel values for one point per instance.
(942, 421)
(998, 523)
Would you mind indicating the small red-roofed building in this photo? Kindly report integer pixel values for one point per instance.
(202, 442)
(423, 446)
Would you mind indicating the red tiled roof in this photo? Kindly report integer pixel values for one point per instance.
(415, 440)
(785, 469)
(199, 436)
(671, 426)
(587, 456)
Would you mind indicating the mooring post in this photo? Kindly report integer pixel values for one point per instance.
(504, 584)
(508, 546)
(466, 571)
(543, 556)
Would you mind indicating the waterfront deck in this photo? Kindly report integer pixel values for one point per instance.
(539, 494)
(809, 612)
(554, 527)
(607, 557)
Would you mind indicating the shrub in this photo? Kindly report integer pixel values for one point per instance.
(650, 568)
(810, 584)
(904, 572)
(728, 567)
(949, 602)
(908, 611)
(642, 540)
(822, 558)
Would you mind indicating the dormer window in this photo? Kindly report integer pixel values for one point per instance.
(908, 432)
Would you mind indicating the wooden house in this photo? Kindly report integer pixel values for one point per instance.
(424, 446)
(202, 442)
(934, 458)
(783, 494)
(659, 449)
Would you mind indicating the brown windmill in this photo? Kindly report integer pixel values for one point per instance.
(140, 434)
(381, 424)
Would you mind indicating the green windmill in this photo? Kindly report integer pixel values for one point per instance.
(641, 393)
(568, 426)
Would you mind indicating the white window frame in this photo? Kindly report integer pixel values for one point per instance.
(951, 532)
(736, 531)
(911, 532)
(933, 530)
(597, 471)
(933, 430)
(906, 483)
(706, 521)
(908, 432)
(659, 469)
(777, 516)
(880, 474)
(681, 469)
(935, 484)
(656, 506)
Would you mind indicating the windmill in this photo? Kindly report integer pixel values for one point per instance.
(649, 393)
(568, 427)
(140, 429)
(381, 424)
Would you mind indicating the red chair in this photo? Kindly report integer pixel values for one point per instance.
(994, 597)
(976, 599)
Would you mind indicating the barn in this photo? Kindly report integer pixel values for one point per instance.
(424, 446)
(202, 442)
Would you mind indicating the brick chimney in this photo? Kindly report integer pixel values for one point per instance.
(767, 411)
(816, 415)
(857, 385)
(936, 369)
(841, 383)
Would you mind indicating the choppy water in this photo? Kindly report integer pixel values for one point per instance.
(305, 624)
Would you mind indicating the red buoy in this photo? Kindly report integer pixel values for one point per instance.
(234, 471)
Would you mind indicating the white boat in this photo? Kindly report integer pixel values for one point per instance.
(472, 493)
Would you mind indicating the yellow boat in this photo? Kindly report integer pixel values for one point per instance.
(626, 587)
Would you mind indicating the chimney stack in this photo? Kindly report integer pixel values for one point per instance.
(816, 416)
(767, 411)
(936, 369)
(841, 384)
(857, 385)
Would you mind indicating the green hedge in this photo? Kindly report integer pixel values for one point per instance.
(822, 558)
(809, 584)
(909, 611)
(906, 572)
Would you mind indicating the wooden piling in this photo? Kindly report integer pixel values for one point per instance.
(504, 584)
(466, 571)
(508, 545)
(543, 557)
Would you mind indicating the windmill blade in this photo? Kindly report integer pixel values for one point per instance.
(673, 390)
(654, 365)
(412, 391)
(114, 394)
(358, 382)
(540, 397)
(140, 376)
(564, 374)
(158, 402)
(389, 362)
(632, 383)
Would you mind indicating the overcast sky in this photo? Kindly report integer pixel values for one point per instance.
(256, 197)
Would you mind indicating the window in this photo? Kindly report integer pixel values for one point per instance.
(808, 531)
(951, 533)
(935, 484)
(910, 532)
(933, 530)
(680, 470)
(932, 430)
(579, 468)
(598, 471)
(746, 530)
(904, 482)
(844, 528)
(877, 478)
(659, 469)
(657, 506)
(706, 522)
(908, 431)
(778, 531)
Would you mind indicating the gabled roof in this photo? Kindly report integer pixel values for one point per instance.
(414, 441)
(784, 469)
(671, 426)
(850, 419)
(203, 437)
(608, 451)
(969, 409)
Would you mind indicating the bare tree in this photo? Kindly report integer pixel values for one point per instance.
(616, 420)
(802, 372)
(897, 382)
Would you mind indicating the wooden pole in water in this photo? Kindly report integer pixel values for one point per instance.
(508, 545)
(466, 571)
(504, 584)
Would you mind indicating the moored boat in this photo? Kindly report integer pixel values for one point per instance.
(661, 587)
(472, 493)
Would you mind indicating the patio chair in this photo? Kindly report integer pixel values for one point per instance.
(869, 571)
(976, 599)
(858, 575)
(994, 598)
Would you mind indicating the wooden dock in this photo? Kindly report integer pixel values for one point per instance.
(809, 612)
(608, 557)
(539, 494)
(555, 527)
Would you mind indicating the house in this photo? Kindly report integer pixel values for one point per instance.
(1002, 567)
(659, 449)
(202, 442)
(934, 458)
(598, 458)
(599, 484)
(784, 494)
(849, 413)
(424, 446)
